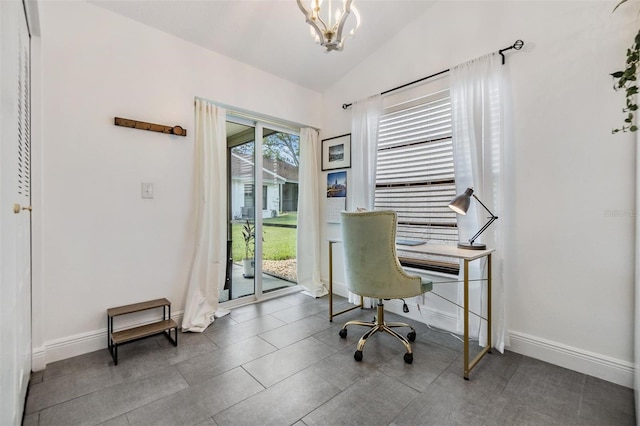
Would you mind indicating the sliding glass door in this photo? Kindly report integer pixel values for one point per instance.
(241, 148)
(280, 164)
(262, 204)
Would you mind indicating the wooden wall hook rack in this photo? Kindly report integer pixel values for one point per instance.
(142, 125)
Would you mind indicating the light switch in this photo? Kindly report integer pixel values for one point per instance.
(147, 190)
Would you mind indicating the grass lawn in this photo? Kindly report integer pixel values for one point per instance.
(284, 219)
(279, 243)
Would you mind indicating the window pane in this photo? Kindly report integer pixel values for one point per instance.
(281, 155)
(415, 176)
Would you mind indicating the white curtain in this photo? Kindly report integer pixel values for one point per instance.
(208, 269)
(364, 152)
(477, 100)
(364, 155)
(308, 239)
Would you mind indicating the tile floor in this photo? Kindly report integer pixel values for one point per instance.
(281, 362)
(242, 286)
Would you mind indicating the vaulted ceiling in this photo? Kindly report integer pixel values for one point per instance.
(271, 34)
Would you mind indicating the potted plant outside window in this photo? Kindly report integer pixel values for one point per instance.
(248, 262)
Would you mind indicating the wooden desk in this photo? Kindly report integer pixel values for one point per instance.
(448, 251)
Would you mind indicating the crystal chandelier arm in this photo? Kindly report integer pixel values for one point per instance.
(309, 20)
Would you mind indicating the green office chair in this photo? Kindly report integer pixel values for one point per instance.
(373, 270)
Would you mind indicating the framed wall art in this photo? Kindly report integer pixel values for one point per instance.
(336, 152)
(337, 184)
(336, 195)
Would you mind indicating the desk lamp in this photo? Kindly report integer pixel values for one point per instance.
(460, 205)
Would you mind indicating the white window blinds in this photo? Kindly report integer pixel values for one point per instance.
(415, 175)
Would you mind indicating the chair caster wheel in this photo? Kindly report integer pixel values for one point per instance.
(411, 336)
(358, 356)
(343, 333)
(408, 358)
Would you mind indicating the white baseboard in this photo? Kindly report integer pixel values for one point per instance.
(597, 365)
(79, 344)
(38, 356)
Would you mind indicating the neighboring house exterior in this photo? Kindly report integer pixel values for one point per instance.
(279, 181)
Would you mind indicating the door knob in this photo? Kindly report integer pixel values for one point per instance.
(17, 208)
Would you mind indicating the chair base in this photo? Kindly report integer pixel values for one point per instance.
(380, 325)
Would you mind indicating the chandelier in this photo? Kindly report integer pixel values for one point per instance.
(328, 31)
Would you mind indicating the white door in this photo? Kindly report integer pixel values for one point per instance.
(15, 220)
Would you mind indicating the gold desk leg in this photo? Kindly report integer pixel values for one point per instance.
(330, 281)
(468, 366)
(466, 320)
(489, 341)
(331, 314)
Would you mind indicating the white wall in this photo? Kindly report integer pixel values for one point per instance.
(571, 297)
(100, 244)
(570, 293)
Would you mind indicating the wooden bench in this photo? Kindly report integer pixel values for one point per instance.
(120, 337)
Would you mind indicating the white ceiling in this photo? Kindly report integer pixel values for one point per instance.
(272, 34)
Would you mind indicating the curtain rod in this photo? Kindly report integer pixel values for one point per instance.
(517, 46)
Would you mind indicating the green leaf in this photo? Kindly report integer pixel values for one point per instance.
(632, 90)
(617, 74)
(630, 71)
(633, 128)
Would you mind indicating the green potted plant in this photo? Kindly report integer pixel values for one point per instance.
(249, 236)
(626, 80)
